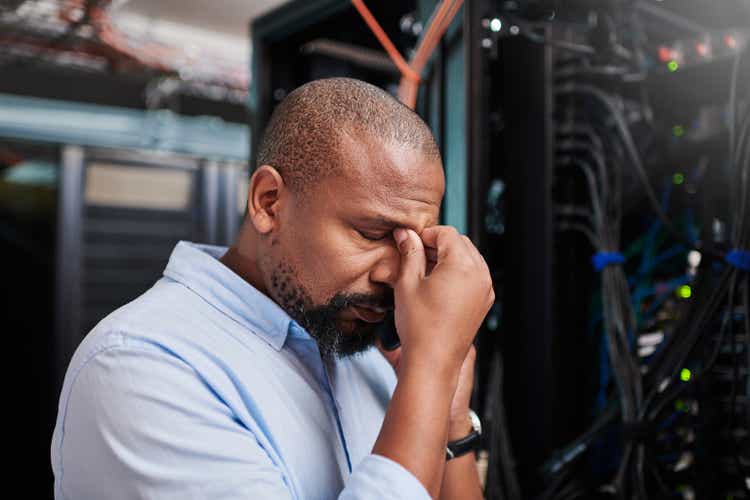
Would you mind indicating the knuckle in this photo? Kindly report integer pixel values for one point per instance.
(452, 232)
(466, 266)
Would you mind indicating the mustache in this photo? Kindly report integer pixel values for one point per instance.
(342, 301)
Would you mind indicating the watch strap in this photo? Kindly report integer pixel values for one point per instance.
(462, 446)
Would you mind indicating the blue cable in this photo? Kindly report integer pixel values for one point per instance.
(600, 260)
(739, 259)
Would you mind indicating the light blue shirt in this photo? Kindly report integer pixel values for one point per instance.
(205, 388)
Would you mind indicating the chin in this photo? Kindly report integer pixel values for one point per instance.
(360, 335)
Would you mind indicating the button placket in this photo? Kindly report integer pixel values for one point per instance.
(310, 356)
(337, 412)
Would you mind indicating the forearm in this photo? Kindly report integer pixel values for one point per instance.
(415, 428)
(461, 477)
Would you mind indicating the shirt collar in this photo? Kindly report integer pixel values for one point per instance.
(198, 267)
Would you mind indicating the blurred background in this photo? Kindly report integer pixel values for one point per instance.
(596, 151)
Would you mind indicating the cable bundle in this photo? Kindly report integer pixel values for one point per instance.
(599, 145)
(600, 152)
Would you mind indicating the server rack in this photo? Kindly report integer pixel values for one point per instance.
(86, 228)
(120, 214)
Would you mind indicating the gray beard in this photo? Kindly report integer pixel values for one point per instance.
(321, 322)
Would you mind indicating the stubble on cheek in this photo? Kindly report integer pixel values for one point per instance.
(288, 292)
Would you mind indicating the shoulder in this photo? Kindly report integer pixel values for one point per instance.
(170, 318)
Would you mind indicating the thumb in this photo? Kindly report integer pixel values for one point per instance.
(413, 258)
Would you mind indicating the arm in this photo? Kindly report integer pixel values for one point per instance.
(437, 316)
(460, 475)
(461, 479)
(415, 428)
(141, 423)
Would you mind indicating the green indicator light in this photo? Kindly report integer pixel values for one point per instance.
(685, 375)
(678, 179)
(685, 291)
(678, 130)
(680, 405)
(673, 66)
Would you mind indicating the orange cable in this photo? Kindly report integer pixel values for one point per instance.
(432, 29)
(443, 17)
(408, 90)
(382, 37)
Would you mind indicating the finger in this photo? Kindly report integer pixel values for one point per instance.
(413, 258)
(478, 259)
(443, 239)
(473, 252)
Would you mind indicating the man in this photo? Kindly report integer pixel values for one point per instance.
(252, 373)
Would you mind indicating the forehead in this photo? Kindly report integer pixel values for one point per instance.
(388, 181)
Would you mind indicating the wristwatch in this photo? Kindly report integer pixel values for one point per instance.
(467, 444)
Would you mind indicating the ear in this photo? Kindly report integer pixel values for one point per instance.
(266, 191)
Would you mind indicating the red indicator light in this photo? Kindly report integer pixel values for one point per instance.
(665, 54)
(730, 41)
(701, 49)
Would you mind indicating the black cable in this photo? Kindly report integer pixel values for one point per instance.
(619, 319)
(564, 457)
(631, 476)
(627, 138)
(735, 373)
(661, 396)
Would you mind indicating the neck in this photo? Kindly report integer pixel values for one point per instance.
(242, 258)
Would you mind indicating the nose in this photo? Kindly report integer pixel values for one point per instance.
(385, 271)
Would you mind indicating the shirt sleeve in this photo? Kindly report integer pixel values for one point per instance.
(379, 477)
(141, 423)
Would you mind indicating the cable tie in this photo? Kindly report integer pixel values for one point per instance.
(600, 260)
(739, 259)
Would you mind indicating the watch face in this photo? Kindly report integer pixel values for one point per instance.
(475, 422)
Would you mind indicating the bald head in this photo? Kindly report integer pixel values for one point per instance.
(303, 139)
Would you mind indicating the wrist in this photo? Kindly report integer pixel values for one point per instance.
(439, 366)
(462, 441)
(459, 427)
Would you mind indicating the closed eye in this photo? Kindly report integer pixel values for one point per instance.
(373, 236)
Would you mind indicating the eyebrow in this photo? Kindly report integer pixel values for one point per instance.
(379, 220)
(382, 221)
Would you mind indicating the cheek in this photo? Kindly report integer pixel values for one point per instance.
(331, 259)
